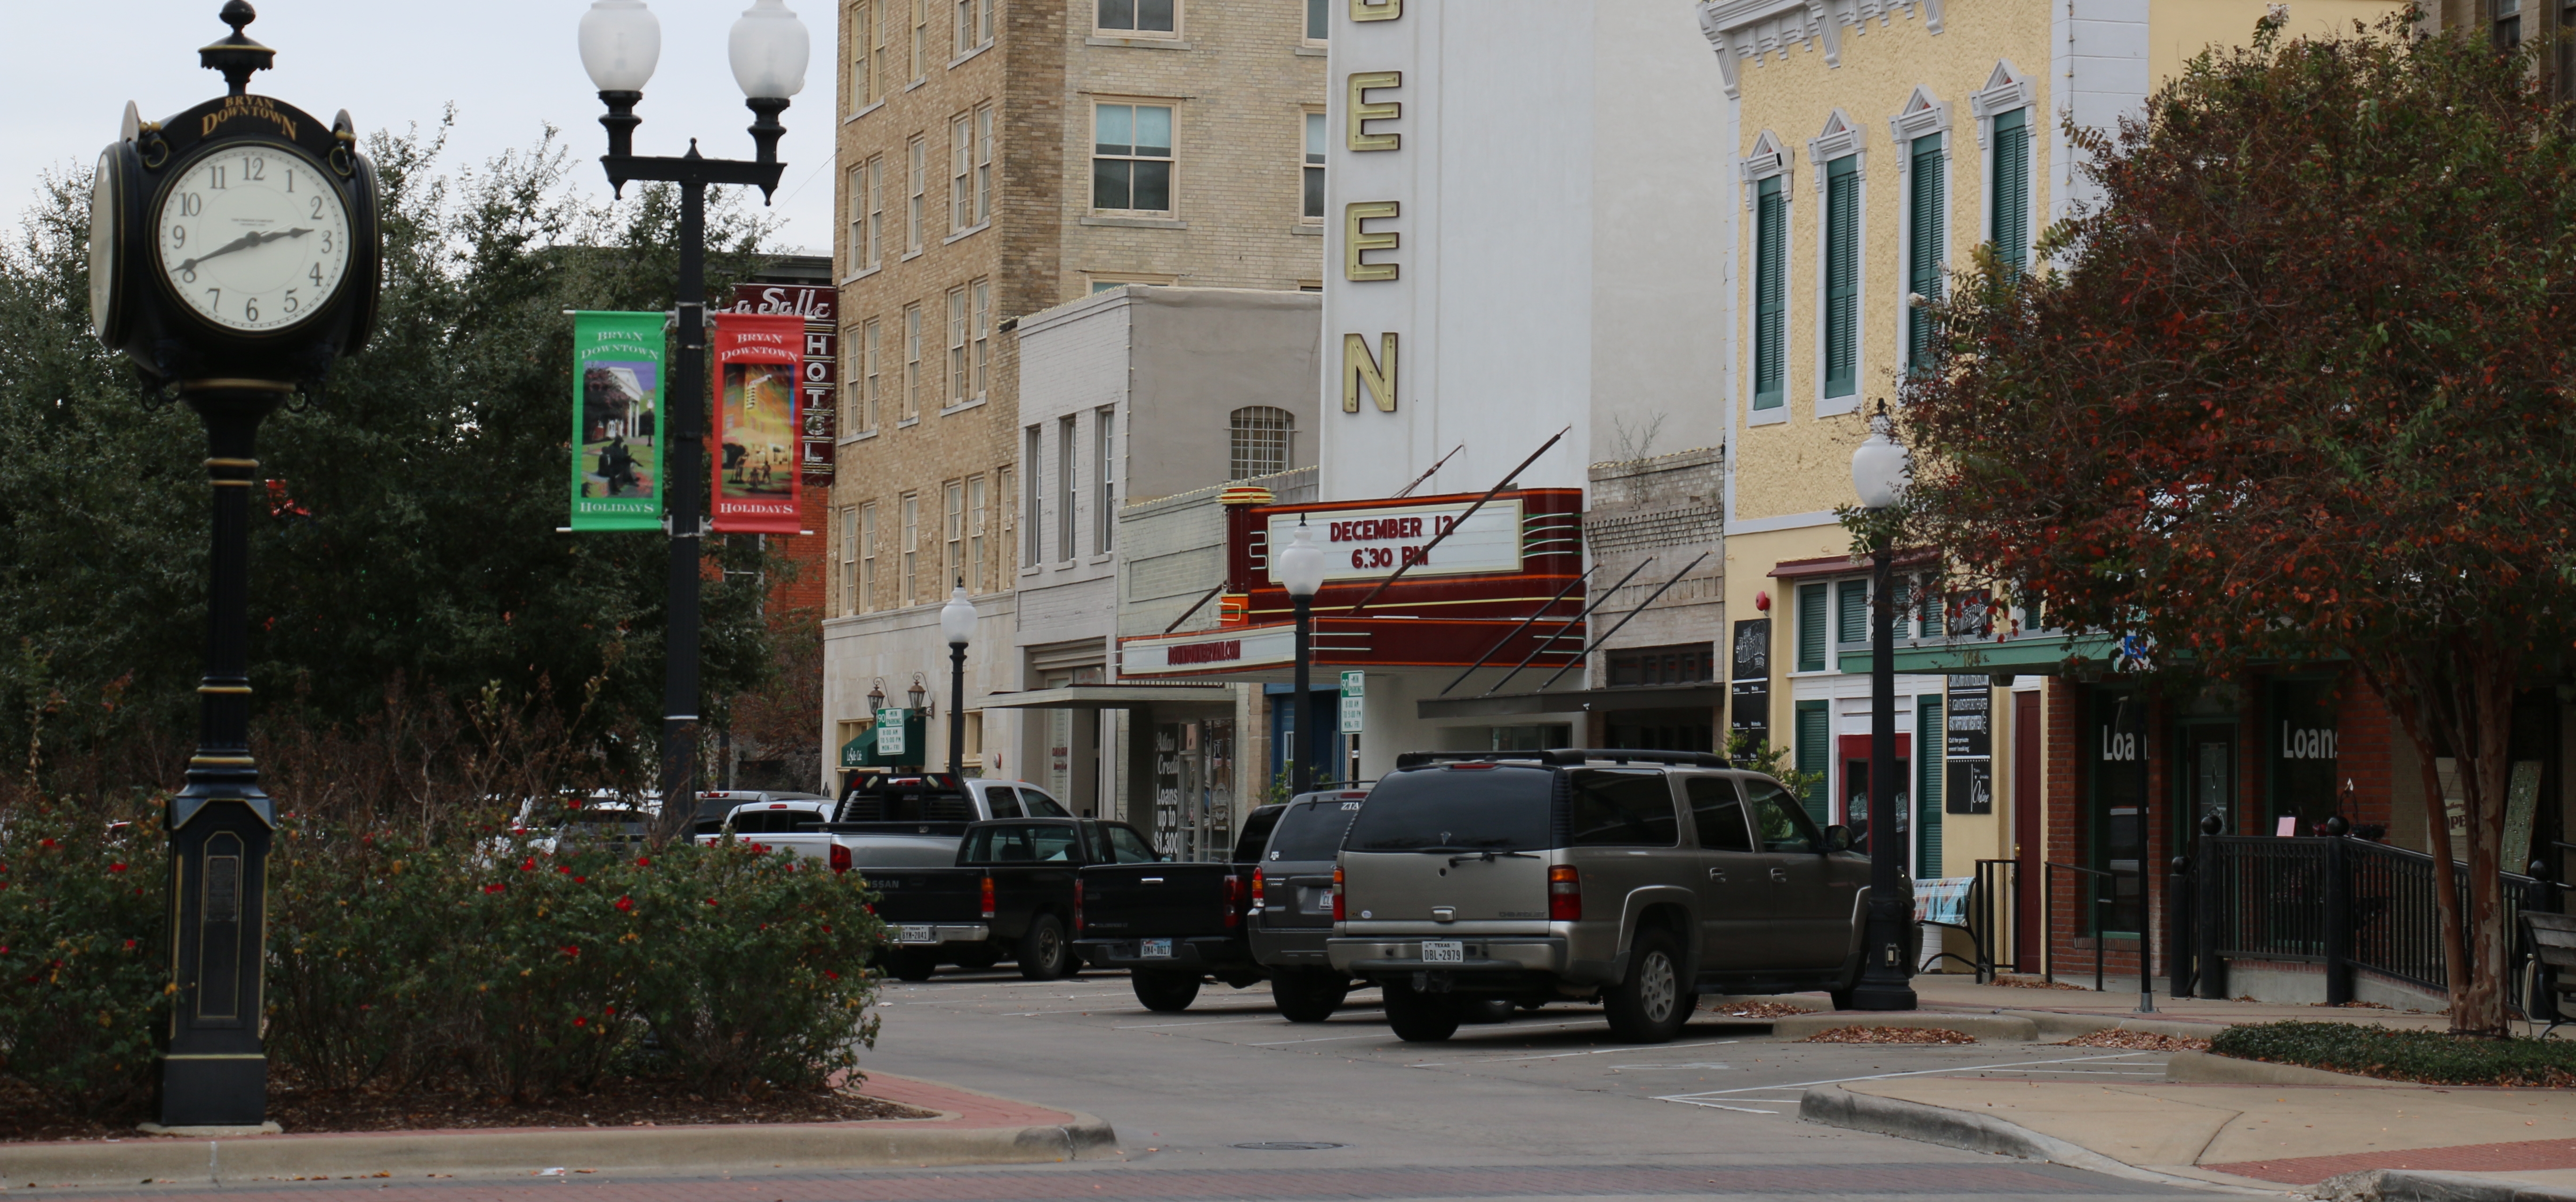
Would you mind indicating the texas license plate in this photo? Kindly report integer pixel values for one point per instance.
(1154, 949)
(1444, 951)
(914, 934)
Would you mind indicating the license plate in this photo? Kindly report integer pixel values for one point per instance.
(1315, 899)
(1444, 951)
(913, 934)
(1154, 949)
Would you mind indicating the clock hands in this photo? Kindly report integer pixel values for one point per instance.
(246, 241)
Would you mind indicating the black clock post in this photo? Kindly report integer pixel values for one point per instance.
(233, 257)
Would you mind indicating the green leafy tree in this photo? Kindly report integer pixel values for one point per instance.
(2297, 389)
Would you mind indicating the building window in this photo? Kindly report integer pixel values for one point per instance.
(980, 333)
(1068, 492)
(1008, 503)
(952, 535)
(974, 24)
(916, 188)
(880, 50)
(2508, 24)
(956, 346)
(1131, 164)
(861, 89)
(1682, 663)
(871, 377)
(975, 506)
(911, 362)
(850, 560)
(855, 258)
(1319, 22)
(1259, 440)
(1815, 640)
(1851, 611)
(1035, 552)
(961, 163)
(1770, 294)
(911, 549)
(920, 40)
(1104, 470)
(1149, 18)
(2011, 229)
(983, 162)
(1314, 168)
(1842, 276)
(868, 557)
(1923, 243)
(875, 232)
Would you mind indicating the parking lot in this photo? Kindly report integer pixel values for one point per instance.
(1548, 1092)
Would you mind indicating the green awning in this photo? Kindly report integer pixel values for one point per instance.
(2015, 657)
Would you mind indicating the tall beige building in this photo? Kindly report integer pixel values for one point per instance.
(998, 157)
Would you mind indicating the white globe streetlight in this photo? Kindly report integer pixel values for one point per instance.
(1299, 568)
(1881, 472)
(957, 622)
(769, 49)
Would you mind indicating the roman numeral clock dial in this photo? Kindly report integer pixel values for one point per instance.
(254, 239)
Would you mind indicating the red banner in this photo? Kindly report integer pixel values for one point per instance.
(758, 358)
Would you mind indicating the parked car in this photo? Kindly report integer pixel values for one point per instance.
(1292, 910)
(716, 805)
(600, 818)
(1635, 877)
(1175, 924)
(912, 820)
(1015, 888)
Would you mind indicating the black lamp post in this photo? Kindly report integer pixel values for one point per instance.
(1880, 474)
(957, 621)
(1300, 569)
(621, 41)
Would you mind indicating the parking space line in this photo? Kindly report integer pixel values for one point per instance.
(1594, 1052)
(1266, 1018)
(1689, 1101)
(1323, 1039)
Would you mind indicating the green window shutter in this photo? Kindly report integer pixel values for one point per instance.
(1851, 611)
(1815, 753)
(1929, 743)
(2011, 231)
(1813, 646)
(1842, 276)
(1770, 294)
(1923, 242)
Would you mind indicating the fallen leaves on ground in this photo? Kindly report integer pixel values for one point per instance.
(1758, 1009)
(1889, 1035)
(2142, 1041)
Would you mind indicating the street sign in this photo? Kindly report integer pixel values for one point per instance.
(1354, 684)
(1354, 687)
(890, 730)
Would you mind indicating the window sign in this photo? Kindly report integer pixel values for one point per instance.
(2116, 747)
(2302, 748)
(1749, 691)
(1969, 743)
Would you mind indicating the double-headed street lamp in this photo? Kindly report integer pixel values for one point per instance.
(957, 621)
(1300, 569)
(1880, 473)
(621, 41)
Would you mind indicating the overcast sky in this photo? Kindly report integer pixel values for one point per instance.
(510, 67)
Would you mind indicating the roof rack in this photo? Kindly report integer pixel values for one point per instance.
(1564, 757)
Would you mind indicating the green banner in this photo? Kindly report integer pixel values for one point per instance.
(616, 421)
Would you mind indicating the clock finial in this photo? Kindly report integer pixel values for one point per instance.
(237, 56)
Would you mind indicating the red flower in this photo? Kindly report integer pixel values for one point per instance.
(625, 903)
(565, 869)
(530, 866)
(643, 861)
(612, 1009)
(129, 946)
(581, 880)
(494, 887)
(581, 1022)
(44, 843)
(829, 973)
(711, 901)
(572, 803)
(118, 867)
(572, 951)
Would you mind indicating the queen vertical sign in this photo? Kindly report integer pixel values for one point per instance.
(759, 358)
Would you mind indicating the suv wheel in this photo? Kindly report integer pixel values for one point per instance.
(1420, 1017)
(1044, 955)
(1306, 995)
(1652, 1002)
(1165, 992)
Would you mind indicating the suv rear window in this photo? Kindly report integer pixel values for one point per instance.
(1502, 808)
(1312, 830)
(1256, 833)
(1021, 843)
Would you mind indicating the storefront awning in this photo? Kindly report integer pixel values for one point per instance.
(1575, 701)
(1165, 697)
(2040, 656)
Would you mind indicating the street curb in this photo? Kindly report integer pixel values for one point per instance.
(904, 1143)
(2407, 1185)
(2009, 1028)
(2060, 1025)
(2206, 1068)
(1835, 1106)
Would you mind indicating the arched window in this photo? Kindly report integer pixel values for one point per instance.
(1260, 442)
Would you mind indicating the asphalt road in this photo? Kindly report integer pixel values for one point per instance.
(1547, 1105)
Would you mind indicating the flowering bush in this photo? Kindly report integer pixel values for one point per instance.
(83, 962)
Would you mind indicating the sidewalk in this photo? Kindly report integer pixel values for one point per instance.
(1942, 991)
(970, 1128)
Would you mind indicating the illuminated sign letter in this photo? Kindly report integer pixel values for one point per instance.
(1356, 242)
(1376, 371)
(1363, 111)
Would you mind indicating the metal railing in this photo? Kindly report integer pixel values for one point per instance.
(1993, 917)
(2048, 914)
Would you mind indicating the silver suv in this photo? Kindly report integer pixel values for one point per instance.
(1635, 877)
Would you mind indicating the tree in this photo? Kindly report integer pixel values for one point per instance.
(409, 526)
(2297, 388)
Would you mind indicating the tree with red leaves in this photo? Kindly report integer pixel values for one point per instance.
(2297, 387)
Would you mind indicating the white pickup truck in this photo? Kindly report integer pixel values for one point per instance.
(906, 821)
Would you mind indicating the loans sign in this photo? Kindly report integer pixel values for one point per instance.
(1365, 544)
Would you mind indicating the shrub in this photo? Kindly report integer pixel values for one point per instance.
(83, 963)
(2429, 1057)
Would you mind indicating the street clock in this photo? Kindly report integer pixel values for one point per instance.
(237, 239)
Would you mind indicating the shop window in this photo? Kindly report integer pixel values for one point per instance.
(2302, 751)
(2117, 749)
(1682, 663)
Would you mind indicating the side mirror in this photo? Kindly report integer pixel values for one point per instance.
(1838, 837)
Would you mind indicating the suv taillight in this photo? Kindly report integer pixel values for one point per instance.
(840, 858)
(1259, 899)
(1233, 894)
(1564, 894)
(988, 897)
(1337, 893)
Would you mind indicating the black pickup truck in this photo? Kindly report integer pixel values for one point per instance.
(1017, 886)
(1174, 924)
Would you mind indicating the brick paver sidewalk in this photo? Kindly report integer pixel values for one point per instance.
(2525, 1156)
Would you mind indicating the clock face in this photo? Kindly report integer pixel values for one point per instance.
(103, 218)
(253, 237)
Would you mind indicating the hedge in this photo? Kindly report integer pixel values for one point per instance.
(2428, 1057)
